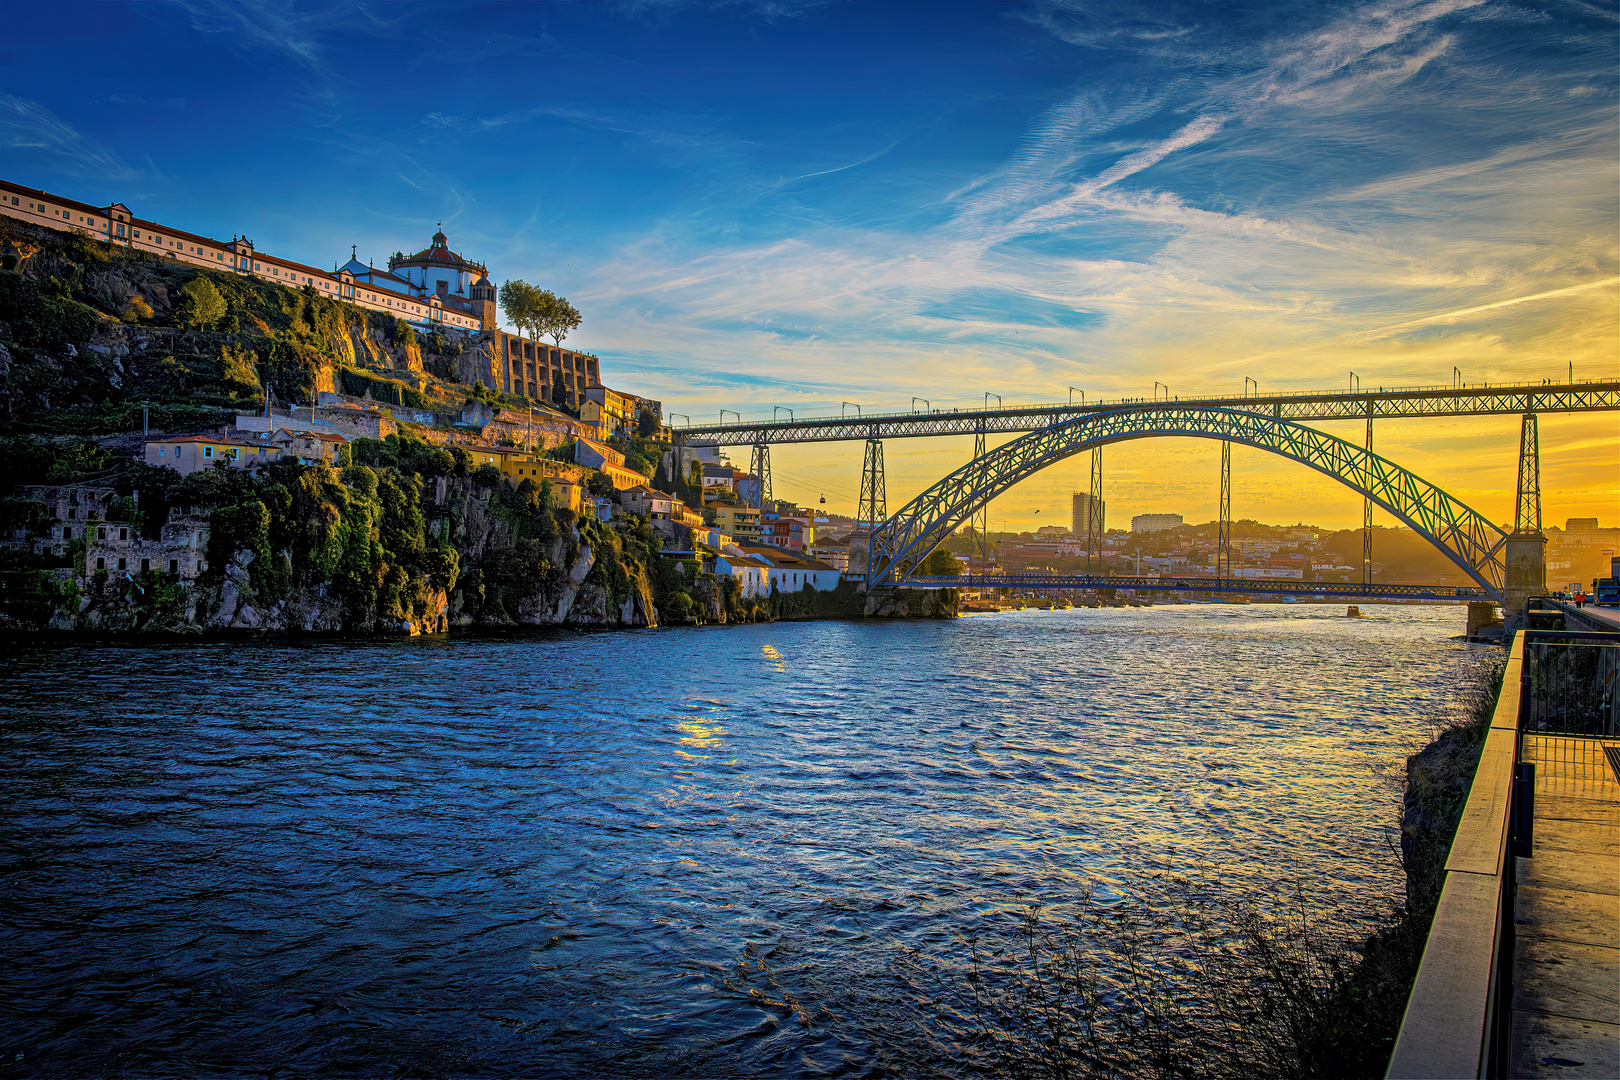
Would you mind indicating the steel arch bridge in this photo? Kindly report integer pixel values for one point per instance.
(1466, 537)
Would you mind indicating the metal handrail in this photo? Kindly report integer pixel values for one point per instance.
(1213, 395)
(1458, 1014)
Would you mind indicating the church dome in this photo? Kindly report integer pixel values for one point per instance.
(437, 254)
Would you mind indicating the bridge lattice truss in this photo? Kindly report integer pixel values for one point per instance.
(1471, 401)
(1475, 544)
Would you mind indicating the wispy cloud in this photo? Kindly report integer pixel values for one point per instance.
(28, 128)
(1446, 316)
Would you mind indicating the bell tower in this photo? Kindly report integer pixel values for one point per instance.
(482, 295)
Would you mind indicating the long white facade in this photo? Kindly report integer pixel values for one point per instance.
(115, 224)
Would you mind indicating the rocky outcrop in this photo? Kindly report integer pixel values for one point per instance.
(914, 604)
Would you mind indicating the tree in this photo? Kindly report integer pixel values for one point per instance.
(940, 563)
(137, 309)
(522, 304)
(557, 316)
(201, 306)
(646, 423)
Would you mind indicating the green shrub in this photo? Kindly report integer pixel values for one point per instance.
(201, 305)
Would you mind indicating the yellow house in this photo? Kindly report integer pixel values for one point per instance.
(519, 466)
(188, 453)
(479, 456)
(737, 520)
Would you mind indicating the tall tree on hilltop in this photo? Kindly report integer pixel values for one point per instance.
(557, 316)
(523, 305)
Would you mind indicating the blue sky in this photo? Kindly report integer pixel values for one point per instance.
(758, 204)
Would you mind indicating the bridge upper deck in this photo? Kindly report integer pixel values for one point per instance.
(1407, 402)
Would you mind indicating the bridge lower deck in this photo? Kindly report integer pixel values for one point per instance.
(1566, 964)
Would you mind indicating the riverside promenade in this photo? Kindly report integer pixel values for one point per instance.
(1566, 957)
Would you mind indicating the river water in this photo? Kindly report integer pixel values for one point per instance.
(547, 856)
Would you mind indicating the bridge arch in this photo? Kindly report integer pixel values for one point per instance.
(1463, 535)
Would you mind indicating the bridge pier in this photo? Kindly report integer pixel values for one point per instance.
(1526, 576)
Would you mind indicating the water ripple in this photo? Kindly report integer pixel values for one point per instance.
(547, 855)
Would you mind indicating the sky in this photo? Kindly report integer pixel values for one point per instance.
(763, 204)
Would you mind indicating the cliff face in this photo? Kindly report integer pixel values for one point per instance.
(487, 559)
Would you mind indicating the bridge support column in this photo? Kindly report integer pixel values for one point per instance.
(979, 523)
(759, 463)
(1525, 567)
(874, 508)
(1366, 513)
(1526, 576)
(1096, 525)
(1223, 529)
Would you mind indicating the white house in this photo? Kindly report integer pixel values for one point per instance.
(791, 572)
(752, 574)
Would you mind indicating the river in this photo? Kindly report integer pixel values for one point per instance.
(543, 856)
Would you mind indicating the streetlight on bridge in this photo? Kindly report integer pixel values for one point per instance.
(1072, 389)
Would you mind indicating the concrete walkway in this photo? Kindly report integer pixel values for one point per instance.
(1566, 963)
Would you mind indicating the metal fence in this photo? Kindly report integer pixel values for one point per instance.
(1572, 678)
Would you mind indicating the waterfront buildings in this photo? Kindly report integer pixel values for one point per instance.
(605, 459)
(642, 499)
(615, 412)
(790, 571)
(835, 553)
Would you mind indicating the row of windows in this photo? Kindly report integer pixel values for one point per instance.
(65, 215)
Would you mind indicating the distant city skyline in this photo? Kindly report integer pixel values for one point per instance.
(805, 204)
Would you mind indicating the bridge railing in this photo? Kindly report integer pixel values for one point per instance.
(1193, 398)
